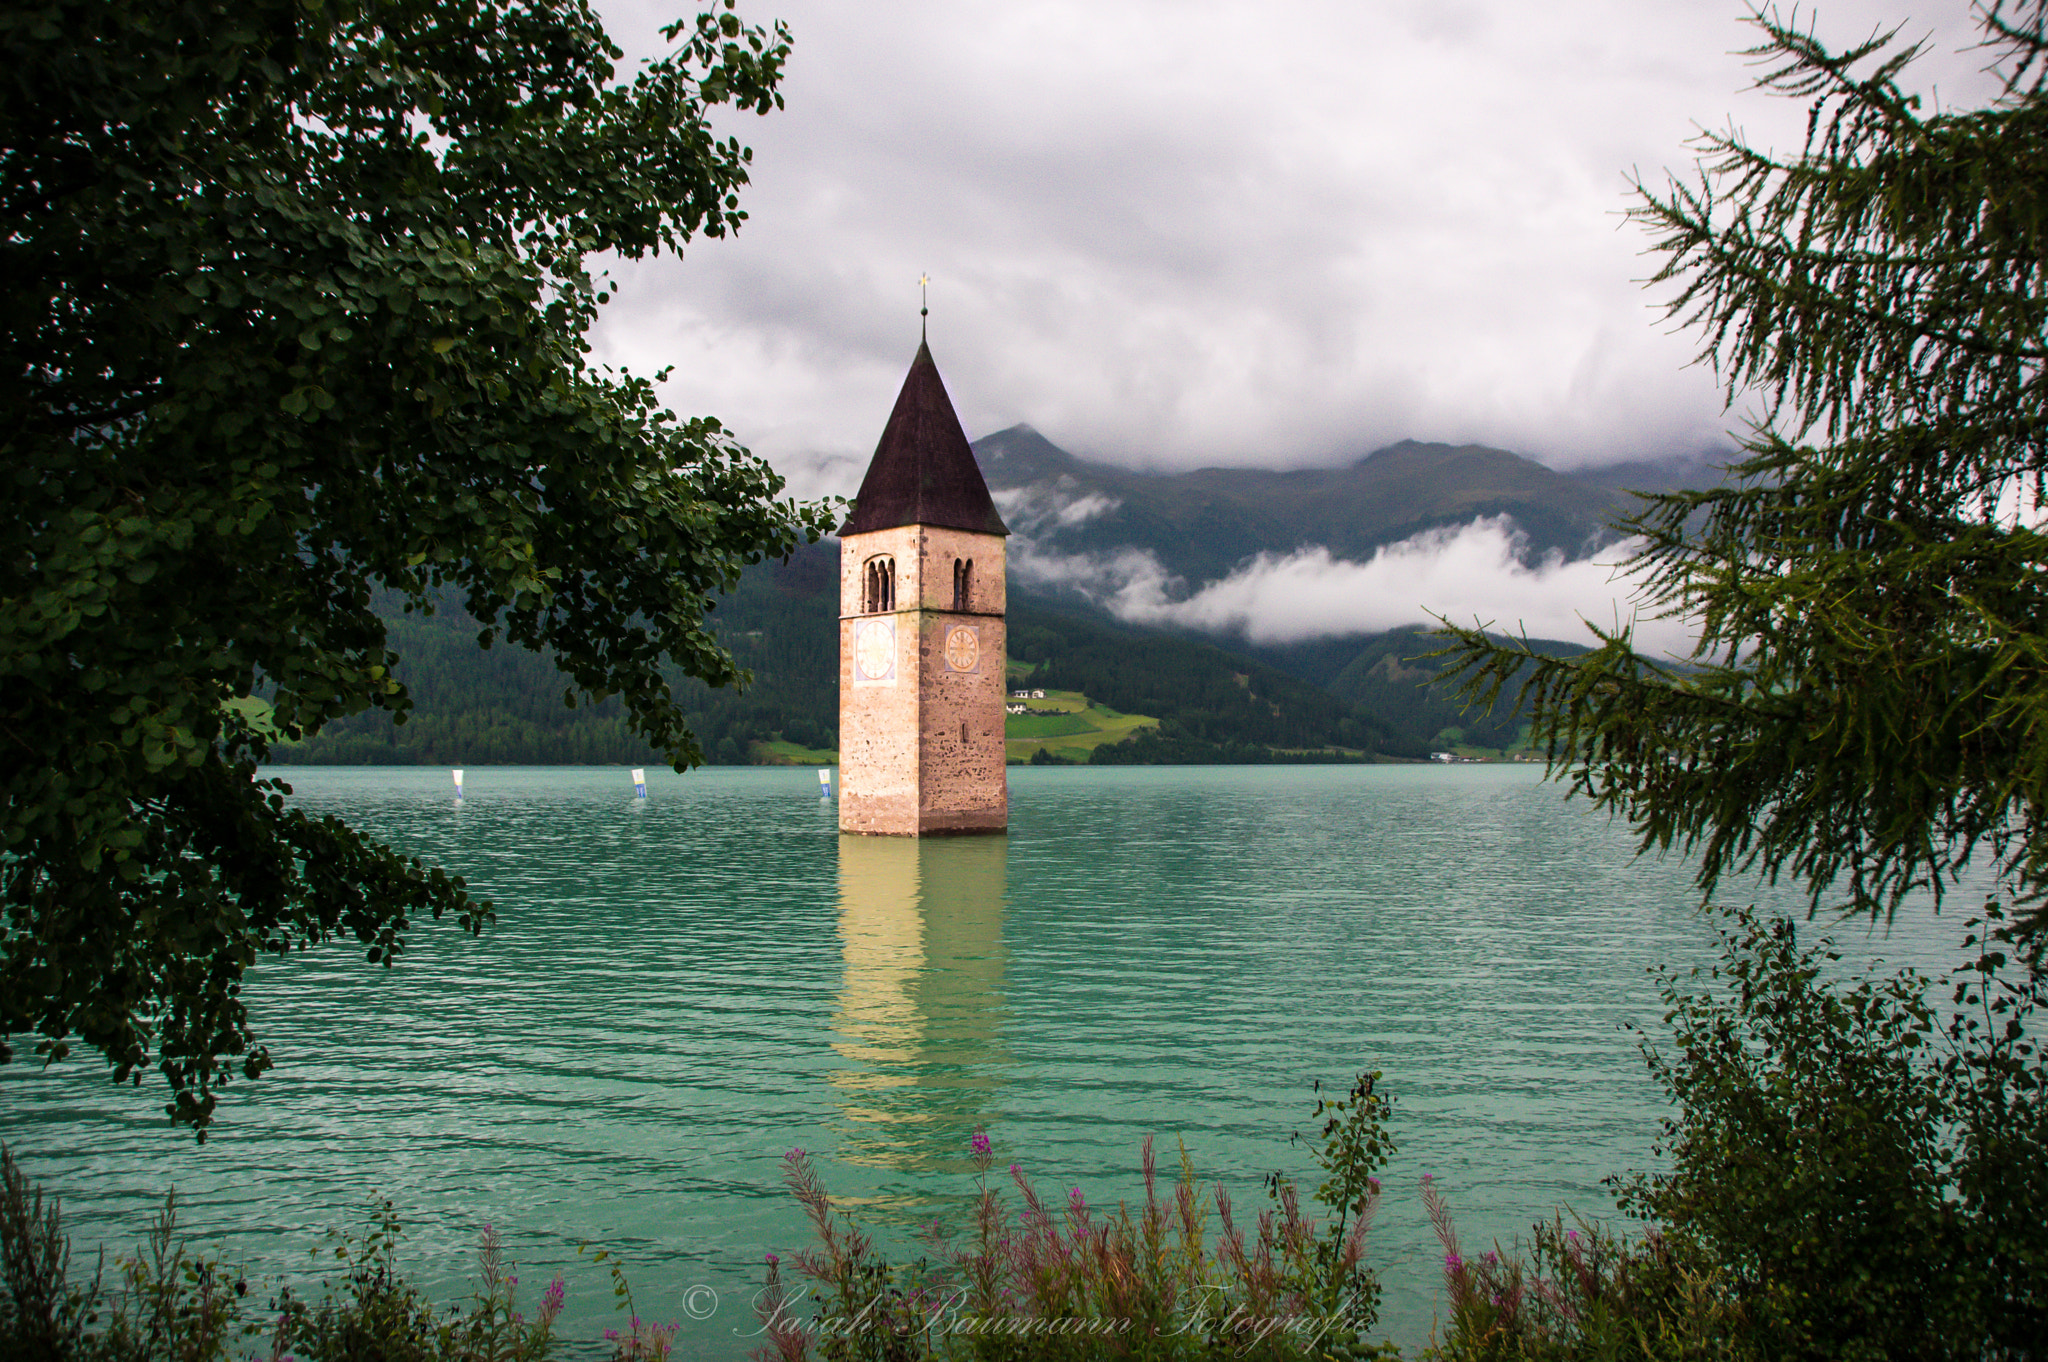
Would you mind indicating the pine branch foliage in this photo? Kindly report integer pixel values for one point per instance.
(1866, 709)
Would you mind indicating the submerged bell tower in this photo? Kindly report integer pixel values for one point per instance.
(921, 643)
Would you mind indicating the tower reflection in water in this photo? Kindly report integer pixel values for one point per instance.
(920, 1018)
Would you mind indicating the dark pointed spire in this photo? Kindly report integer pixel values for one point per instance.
(923, 472)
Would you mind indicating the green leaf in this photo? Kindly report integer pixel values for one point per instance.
(200, 297)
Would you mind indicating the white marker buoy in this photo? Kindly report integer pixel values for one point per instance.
(825, 783)
(458, 787)
(639, 783)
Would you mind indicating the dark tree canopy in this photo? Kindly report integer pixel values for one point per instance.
(293, 295)
(1871, 705)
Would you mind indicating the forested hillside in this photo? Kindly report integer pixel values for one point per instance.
(1362, 696)
(1389, 677)
(1217, 698)
(1206, 698)
(1202, 524)
(506, 705)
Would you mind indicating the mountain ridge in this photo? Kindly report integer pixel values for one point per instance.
(1219, 697)
(1201, 524)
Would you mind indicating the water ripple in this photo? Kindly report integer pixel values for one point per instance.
(678, 990)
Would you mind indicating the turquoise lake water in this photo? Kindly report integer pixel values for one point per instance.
(679, 989)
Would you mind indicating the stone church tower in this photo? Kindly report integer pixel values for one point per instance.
(921, 644)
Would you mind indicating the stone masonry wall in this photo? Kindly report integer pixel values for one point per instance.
(921, 713)
(963, 783)
(878, 717)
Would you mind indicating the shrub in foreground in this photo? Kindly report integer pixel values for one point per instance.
(1034, 1278)
(1855, 1172)
(172, 1304)
(1864, 1166)
(1582, 1294)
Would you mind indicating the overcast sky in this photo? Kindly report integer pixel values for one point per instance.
(1172, 232)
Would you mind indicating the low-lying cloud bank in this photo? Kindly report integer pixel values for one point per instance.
(1465, 573)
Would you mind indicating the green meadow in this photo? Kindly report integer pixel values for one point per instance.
(1067, 726)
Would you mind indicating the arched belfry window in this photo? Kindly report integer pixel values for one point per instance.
(878, 585)
(963, 582)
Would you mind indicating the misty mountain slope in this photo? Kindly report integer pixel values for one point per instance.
(1669, 475)
(1215, 692)
(505, 705)
(1201, 525)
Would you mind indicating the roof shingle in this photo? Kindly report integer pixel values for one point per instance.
(923, 472)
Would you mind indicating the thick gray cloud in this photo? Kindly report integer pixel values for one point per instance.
(1478, 573)
(1177, 232)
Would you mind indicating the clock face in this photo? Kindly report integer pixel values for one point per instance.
(963, 648)
(874, 650)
